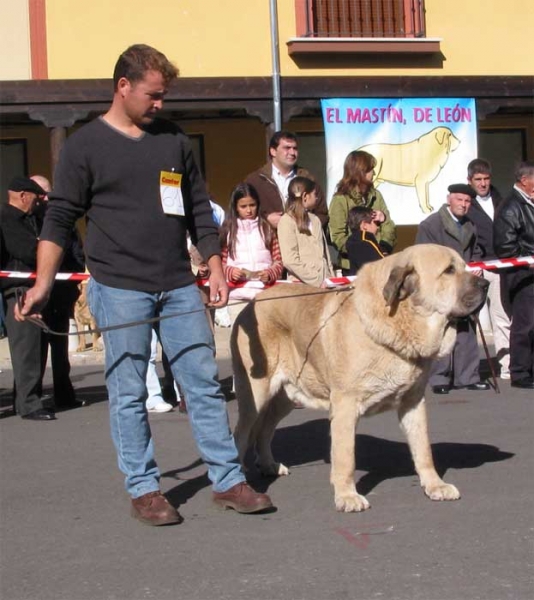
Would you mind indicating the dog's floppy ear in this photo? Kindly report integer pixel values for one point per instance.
(401, 283)
(443, 135)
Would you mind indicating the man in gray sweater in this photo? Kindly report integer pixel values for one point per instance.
(134, 178)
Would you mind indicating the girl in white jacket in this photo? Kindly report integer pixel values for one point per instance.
(250, 250)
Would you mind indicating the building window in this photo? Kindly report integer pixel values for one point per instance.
(361, 27)
(364, 18)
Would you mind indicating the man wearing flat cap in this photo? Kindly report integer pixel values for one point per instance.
(19, 232)
(450, 227)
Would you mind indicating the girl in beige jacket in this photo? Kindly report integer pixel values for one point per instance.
(301, 237)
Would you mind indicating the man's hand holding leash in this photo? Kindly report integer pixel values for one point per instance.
(30, 304)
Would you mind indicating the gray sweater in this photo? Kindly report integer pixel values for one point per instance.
(114, 180)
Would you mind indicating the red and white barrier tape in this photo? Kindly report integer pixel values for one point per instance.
(59, 276)
(489, 265)
(501, 263)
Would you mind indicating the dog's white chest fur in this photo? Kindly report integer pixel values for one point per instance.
(373, 394)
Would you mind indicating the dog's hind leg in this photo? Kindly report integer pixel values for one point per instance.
(278, 408)
(413, 421)
(248, 416)
(247, 411)
(252, 399)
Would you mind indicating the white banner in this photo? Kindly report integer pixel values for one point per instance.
(422, 145)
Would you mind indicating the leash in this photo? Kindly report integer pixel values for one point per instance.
(40, 323)
(340, 288)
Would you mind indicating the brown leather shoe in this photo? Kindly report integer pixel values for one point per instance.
(154, 509)
(243, 499)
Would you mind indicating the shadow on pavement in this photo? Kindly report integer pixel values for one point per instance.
(385, 459)
(187, 488)
(382, 459)
(79, 377)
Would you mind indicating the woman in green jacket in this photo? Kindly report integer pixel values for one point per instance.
(356, 189)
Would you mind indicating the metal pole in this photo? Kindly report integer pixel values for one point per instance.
(275, 55)
(486, 351)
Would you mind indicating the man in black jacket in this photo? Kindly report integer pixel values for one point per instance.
(482, 213)
(19, 230)
(514, 237)
(59, 311)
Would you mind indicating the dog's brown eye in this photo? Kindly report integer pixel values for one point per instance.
(450, 270)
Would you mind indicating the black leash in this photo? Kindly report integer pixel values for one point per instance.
(40, 323)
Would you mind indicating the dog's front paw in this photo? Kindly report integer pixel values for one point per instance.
(352, 502)
(274, 470)
(442, 491)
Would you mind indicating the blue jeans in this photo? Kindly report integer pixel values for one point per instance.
(190, 347)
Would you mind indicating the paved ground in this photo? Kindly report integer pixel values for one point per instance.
(66, 532)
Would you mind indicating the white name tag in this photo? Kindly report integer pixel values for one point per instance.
(170, 189)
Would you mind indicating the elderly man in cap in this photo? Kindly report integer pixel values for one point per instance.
(19, 232)
(450, 227)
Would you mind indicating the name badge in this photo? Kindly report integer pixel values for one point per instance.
(170, 189)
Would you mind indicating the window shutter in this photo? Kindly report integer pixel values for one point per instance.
(367, 18)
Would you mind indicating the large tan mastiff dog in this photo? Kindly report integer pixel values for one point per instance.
(354, 353)
(416, 163)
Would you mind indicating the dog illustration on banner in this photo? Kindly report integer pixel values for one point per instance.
(416, 163)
